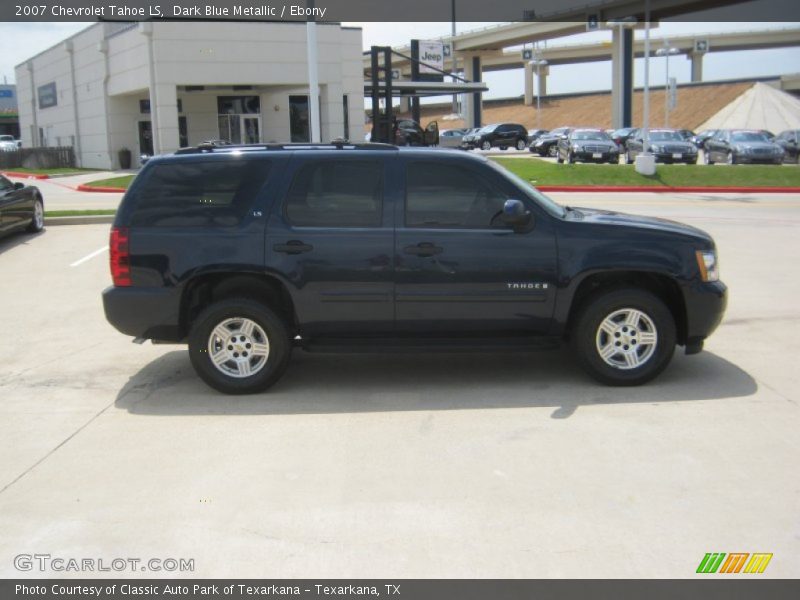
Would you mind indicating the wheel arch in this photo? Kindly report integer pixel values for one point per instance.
(665, 287)
(205, 289)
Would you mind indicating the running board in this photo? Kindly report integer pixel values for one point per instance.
(421, 345)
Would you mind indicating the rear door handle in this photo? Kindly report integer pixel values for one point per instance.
(423, 249)
(293, 247)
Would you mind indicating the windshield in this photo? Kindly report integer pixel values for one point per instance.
(748, 136)
(489, 128)
(549, 205)
(590, 135)
(665, 136)
(6, 138)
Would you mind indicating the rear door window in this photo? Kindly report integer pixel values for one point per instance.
(336, 193)
(198, 194)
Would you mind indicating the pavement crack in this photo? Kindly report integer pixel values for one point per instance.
(54, 450)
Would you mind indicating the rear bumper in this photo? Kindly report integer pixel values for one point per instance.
(705, 307)
(143, 312)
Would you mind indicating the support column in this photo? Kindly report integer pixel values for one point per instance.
(697, 67)
(165, 112)
(622, 77)
(405, 105)
(541, 83)
(528, 84)
(473, 103)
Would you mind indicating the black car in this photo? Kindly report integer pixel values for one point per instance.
(686, 134)
(789, 140)
(498, 135)
(21, 207)
(621, 136)
(587, 145)
(408, 132)
(247, 252)
(735, 146)
(547, 144)
(666, 145)
(700, 139)
(535, 134)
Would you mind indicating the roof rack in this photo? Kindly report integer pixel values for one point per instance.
(334, 145)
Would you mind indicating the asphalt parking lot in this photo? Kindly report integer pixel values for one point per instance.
(447, 465)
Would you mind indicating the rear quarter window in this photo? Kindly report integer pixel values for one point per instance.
(198, 194)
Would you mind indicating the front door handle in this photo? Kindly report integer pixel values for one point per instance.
(293, 247)
(423, 249)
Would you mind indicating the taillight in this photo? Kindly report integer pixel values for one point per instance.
(120, 257)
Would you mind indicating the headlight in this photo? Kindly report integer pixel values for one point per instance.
(576, 147)
(655, 148)
(708, 265)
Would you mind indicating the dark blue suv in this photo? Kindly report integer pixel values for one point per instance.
(246, 252)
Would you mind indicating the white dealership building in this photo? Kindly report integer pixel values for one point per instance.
(152, 87)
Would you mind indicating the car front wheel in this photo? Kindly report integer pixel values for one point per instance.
(37, 222)
(520, 144)
(624, 337)
(486, 145)
(239, 346)
(552, 150)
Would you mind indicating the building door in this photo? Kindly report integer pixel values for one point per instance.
(146, 138)
(240, 129)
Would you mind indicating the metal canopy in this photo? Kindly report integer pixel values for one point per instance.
(425, 88)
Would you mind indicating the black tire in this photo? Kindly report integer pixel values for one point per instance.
(486, 145)
(628, 159)
(272, 325)
(37, 222)
(552, 150)
(586, 336)
(559, 160)
(521, 144)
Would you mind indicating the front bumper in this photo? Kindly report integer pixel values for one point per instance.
(669, 157)
(705, 306)
(144, 312)
(751, 159)
(585, 156)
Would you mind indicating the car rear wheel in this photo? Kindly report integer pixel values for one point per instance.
(486, 145)
(520, 144)
(37, 223)
(624, 337)
(239, 346)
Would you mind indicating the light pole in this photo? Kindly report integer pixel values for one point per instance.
(538, 63)
(453, 52)
(666, 52)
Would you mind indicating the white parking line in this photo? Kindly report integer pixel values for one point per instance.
(80, 261)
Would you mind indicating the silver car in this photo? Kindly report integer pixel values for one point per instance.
(8, 143)
(451, 138)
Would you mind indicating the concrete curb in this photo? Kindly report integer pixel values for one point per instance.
(676, 190)
(79, 220)
(103, 190)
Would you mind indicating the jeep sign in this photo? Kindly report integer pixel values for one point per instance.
(431, 54)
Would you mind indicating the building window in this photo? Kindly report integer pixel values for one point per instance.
(238, 105)
(346, 115)
(298, 119)
(47, 95)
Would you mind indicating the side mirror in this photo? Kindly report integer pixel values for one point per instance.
(514, 214)
(19, 185)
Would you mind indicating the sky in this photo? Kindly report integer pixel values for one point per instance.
(20, 41)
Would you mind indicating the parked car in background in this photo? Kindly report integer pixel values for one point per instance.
(499, 135)
(666, 145)
(547, 143)
(768, 134)
(699, 139)
(789, 140)
(8, 143)
(587, 145)
(408, 132)
(535, 134)
(21, 207)
(734, 146)
(686, 134)
(620, 136)
(451, 138)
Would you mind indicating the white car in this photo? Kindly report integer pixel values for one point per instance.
(8, 143)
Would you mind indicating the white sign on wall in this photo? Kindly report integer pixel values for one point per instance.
(431, 54)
